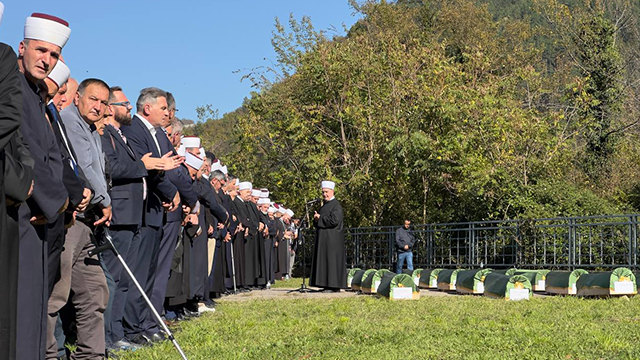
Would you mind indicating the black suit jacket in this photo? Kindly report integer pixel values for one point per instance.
(180, 178)
(127, 171)
(159, 187)
(73, 179)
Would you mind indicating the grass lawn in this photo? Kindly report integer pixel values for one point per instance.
(365, 327)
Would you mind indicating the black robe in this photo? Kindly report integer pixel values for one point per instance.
(260, 271)
(329, 266)
(268, 244)
(282, 267)
(49, 196)
(15, 180)
(238, 209)
(228, 246)
(216, 277)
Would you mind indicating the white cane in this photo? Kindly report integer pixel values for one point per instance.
(233, 270)
(109, 246)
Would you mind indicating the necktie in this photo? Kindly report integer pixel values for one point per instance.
(56, 122)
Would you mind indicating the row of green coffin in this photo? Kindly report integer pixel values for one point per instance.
(384, 283)
(498, 283)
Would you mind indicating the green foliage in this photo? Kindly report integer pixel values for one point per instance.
(447, 111)
(434, 327)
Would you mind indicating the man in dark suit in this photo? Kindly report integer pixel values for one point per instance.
(128, 193)
(44, 38)
(169, 139)
(152, 110)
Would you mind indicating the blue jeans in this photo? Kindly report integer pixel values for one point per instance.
(401, 258)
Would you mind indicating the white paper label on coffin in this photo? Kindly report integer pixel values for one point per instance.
(402, 293)
(480, 287)
(416, 280)
(375, 286)
(623, 287)
(541, 283)
(349, 282)
(434, 283)
(518, 294)
(574, 290)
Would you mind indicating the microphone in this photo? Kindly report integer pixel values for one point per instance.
(313, 201)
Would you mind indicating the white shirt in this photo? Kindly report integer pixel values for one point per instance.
(152, 130)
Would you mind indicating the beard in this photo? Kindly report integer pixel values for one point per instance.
(123, 119)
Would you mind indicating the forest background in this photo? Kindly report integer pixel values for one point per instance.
(446, 111)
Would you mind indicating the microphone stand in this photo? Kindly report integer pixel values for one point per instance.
(303, 288)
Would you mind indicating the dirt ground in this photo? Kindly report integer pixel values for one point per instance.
(286, 294)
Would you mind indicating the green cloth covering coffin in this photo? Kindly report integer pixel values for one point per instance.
(407, 271)
(429, 278)
(447, 279)
(364, 277)
(416, 276)
(471, 281)
(620, 281)
(398, 287)
(371, 283)
(350, 275)
(536, 277)
(563, 282)
(509, 272)
(357, 280)
(500, 286)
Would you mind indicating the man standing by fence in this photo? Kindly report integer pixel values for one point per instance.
(404, 242)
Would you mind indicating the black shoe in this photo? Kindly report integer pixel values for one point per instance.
(189, 314)
(155, 336)
(138, 339)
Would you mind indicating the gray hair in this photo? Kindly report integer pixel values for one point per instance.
(218, 175)
(171, 101)
(149, 96)
(176, 125)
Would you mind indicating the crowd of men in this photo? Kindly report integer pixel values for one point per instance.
(76, 167)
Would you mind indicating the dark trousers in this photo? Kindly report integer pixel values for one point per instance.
(31, 324)
(163, 268)
(123, 239)
(144, 268)
(55, 241)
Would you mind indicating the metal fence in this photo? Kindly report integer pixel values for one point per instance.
(556, 243)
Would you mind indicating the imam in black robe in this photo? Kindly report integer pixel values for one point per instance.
(16, 174)
(238, 209)
(282, 263)
(329, 266)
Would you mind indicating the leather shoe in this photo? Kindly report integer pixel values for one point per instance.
(155, 337)
(138, 339)
(188, 313)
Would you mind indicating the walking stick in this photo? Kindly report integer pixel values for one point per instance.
(108, 245)
(233, 269)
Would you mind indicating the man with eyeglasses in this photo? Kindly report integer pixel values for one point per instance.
(87, 280)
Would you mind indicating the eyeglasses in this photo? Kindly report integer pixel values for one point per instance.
(122, 103)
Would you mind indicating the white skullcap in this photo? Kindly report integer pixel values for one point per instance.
(193, 161)
(328, 185)
(289, 212)
(263, 201)
(1, 11)
(190, 142)
(256, 193)
(264, 193)
(182, 150)
(203, 154)
(60, 73)
(245, 185)
(216, 166)
(224, 170)
(47, 28)
(282, 210)
(272, 209)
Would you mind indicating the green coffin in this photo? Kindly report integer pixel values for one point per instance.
(366, 274)
(407, 271)
(563, 282)
(416, 276)
(500, 286)
(371, 283)
(620, 281)
(429, 278)
(350, 275)
(398, 287)
(536, 277)
(356, 282)
(447, 279)
(471, 281)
